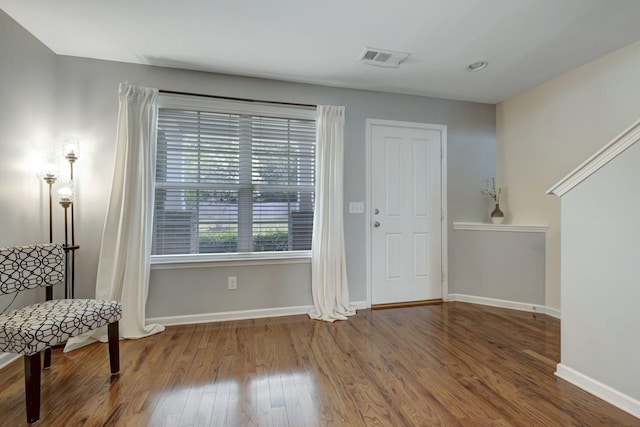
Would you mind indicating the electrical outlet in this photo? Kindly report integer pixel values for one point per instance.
(232, 282)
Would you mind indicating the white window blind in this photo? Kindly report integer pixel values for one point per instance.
(230, 182)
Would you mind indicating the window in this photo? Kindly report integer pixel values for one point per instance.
(233, 178)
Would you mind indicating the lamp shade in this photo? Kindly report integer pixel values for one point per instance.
(70, 147)
(49, 170)
(66, 193)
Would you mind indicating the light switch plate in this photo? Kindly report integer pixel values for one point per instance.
(356, 207)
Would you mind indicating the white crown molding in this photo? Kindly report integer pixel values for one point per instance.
(482, 226)
(513, 305)
(191, 319)
(609, 152)
(603, 391)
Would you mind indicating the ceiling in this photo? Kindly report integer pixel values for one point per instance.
(526, 42)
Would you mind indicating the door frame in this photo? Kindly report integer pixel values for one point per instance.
(443, 198)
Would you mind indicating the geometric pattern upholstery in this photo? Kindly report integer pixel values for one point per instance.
(30, 329)
(26, 267)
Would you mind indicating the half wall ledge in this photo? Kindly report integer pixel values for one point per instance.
(483, 226)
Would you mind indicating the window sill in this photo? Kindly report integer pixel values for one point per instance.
(173, 262)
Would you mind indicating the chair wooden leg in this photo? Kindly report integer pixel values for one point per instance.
(114, 348)
(32, 386)
(47, 358)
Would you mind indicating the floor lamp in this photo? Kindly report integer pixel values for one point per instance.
(65, 198)
(70, 151)
(50, 175)
(65, 194)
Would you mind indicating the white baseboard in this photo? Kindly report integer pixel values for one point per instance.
(7, 358)
(238, 315)
(603, 391)
(553, 312)
(514, 305)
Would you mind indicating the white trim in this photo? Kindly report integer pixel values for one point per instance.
(493, 302)
(444, 261)
(626, 139)
(603, 391)
(367, 209)
(174, 262)
(483, 226)
(8, 358)
(444, 223)
(553, 312)
(239, 315)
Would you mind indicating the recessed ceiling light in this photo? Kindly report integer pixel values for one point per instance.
(477, 66)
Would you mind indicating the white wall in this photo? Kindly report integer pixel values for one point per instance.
(601, 276)
(546, 132)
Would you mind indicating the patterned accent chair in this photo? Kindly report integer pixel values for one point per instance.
(31, 329)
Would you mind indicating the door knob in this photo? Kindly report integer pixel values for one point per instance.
(376, 211)
(376, 224)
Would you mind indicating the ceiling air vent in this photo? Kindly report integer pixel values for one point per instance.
(382, 58)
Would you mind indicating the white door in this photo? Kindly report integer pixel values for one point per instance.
(405, 213)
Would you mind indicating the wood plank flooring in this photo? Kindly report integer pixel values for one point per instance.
(454, 364)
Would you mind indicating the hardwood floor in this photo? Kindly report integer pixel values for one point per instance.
(454, 364)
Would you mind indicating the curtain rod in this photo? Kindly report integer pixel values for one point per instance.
(230, 98)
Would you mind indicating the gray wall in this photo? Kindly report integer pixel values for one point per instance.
(504, 265)
(87, 106)
(600, 271)
(27, 95)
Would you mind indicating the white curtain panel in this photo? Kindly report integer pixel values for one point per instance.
(124, 263)
(328, 267)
